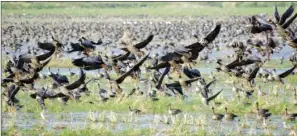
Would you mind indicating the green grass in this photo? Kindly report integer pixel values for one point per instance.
(89, 131)
(59, 5)
(193, 104)
(170, 10)
(66, 63)
(110, 111)
(180, 129)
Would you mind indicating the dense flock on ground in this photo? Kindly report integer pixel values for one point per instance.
(161, 54)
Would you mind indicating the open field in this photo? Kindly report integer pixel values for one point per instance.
(98, 113)
(25, 24)
(134, 9)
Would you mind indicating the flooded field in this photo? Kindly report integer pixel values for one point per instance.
(148, 68)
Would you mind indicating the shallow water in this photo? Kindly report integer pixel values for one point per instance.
(79, 120)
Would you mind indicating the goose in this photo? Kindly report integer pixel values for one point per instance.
(115, 83)
(34, 60)
(67, 89)
(51, 46)
(204, 92)
(229, 116)
(76, 93)
(257, 25)
(10, 96)
(41, 94)
(187, 53)
(173, 111)
(134, 49)
(262, 115)
(84, 46)
(216, 116)
(131, 92)
(136, 111)
(90, 63)
(251, 76)
(191, 73)
(23, 81)
(281, 22)
(291, 116)
(236, 63)
(279, 77)
(102, 94)
(259, 111)
(92, 42)
(59, 79)
(178, 85)
(160, 80)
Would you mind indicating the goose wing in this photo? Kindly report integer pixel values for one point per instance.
(254, 73)
(144, 43)
(191, 80)
(214, 96)
(191, 73)
(175, 86)
(78, 82)
(30, 80)
(166, 71)
(76, 47)
(208, 85)
(43, 65)
(276, 15)
(286, 73)
(213, 34)
(122, 78)
(286, 25)
(45, 55)
(286, 15)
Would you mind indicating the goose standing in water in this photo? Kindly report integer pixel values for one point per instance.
(229, 116)
(262, 114)
(291, 116)
(136, 111)
(216, 116)
(173, 111)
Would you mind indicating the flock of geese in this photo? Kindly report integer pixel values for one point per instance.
(24, 70)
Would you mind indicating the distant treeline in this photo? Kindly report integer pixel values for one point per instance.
(52, 5)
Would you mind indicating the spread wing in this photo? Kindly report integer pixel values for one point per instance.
(286, 73)
(166, 71)
(122, 78)
(45, 55)
(213, 34)
(144, 43)
(78, 82)
(286, 15)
